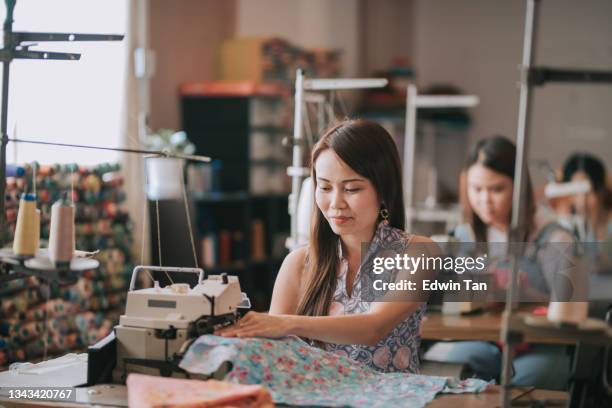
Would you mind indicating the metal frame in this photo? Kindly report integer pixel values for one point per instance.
(530, 76)
(415, 101)
(297, 171)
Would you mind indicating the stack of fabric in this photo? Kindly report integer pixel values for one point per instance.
(77, 315)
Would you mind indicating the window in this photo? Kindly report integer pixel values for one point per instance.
(68, 101)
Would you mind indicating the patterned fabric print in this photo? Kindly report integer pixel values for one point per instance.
(399, 351)
(298, 374)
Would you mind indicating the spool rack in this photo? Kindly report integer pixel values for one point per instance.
(17, 46)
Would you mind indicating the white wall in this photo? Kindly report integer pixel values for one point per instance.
(477, 45)
(308, 23)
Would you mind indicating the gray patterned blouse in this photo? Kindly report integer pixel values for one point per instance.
(398, 352)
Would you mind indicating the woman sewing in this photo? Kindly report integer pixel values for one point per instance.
(595, 207)
(488, 189)
(317, 294)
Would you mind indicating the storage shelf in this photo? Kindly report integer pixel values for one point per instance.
(218, 196)
(268, 162)
(272, 129)
(241, 266)
(222, 197)
(247, 215)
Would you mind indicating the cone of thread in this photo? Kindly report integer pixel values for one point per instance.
(37, 230)
(27, 230)
(61, 235)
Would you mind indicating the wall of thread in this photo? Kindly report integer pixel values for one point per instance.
(239, 201)
(68, 316)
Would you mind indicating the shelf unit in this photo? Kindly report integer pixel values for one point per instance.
(241, 228)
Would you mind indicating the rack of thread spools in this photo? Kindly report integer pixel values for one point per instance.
(67, 207)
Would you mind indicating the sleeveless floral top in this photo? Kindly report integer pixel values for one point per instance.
(399, 351)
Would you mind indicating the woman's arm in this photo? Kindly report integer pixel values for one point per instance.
(366, 328)
(286, 293)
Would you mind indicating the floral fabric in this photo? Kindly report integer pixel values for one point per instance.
(398, 352)
(297, 374)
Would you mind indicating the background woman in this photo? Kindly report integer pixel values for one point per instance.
(489, 178)
(595, 206)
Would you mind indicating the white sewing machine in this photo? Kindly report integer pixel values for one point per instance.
(159, 324)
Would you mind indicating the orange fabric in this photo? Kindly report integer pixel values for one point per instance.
(146, 391)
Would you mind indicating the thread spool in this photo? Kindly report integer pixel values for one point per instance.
(61, 235)
(27, 231)
(14, 171)
(568, 312)
(569, 294)
(164, 178)
(37, 229)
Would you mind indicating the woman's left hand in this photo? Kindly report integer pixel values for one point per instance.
(255, 324)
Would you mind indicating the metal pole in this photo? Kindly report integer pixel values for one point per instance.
(144, 55)
(6, 62)
(409, 153)
(520, 192)
(296, 165)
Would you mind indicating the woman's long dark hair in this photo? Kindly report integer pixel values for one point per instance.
(370, 151)
(497, 153)
(594, 170)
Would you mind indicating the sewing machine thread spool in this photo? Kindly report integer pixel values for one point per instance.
(568, 302)
(568, 312)
(61, 236)
(27, 231)
(37, 229)
(164, 178)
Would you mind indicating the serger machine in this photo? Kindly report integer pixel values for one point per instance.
(160, 323)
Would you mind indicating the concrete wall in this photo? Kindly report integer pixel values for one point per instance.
(477, 45)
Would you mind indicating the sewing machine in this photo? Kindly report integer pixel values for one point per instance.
(160, 323)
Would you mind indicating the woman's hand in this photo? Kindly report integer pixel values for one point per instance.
(255, 324)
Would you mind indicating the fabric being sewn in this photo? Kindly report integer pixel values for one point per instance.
(297, 374)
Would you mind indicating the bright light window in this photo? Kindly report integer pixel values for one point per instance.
(68, 101)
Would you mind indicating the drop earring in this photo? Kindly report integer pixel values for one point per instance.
(384, 214)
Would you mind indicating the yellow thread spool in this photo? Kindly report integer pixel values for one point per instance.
(37, 230)
(27, 231)
(61, 236)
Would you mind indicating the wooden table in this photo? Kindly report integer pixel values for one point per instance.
(484, 326)
(492, 398)
(117, 396)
